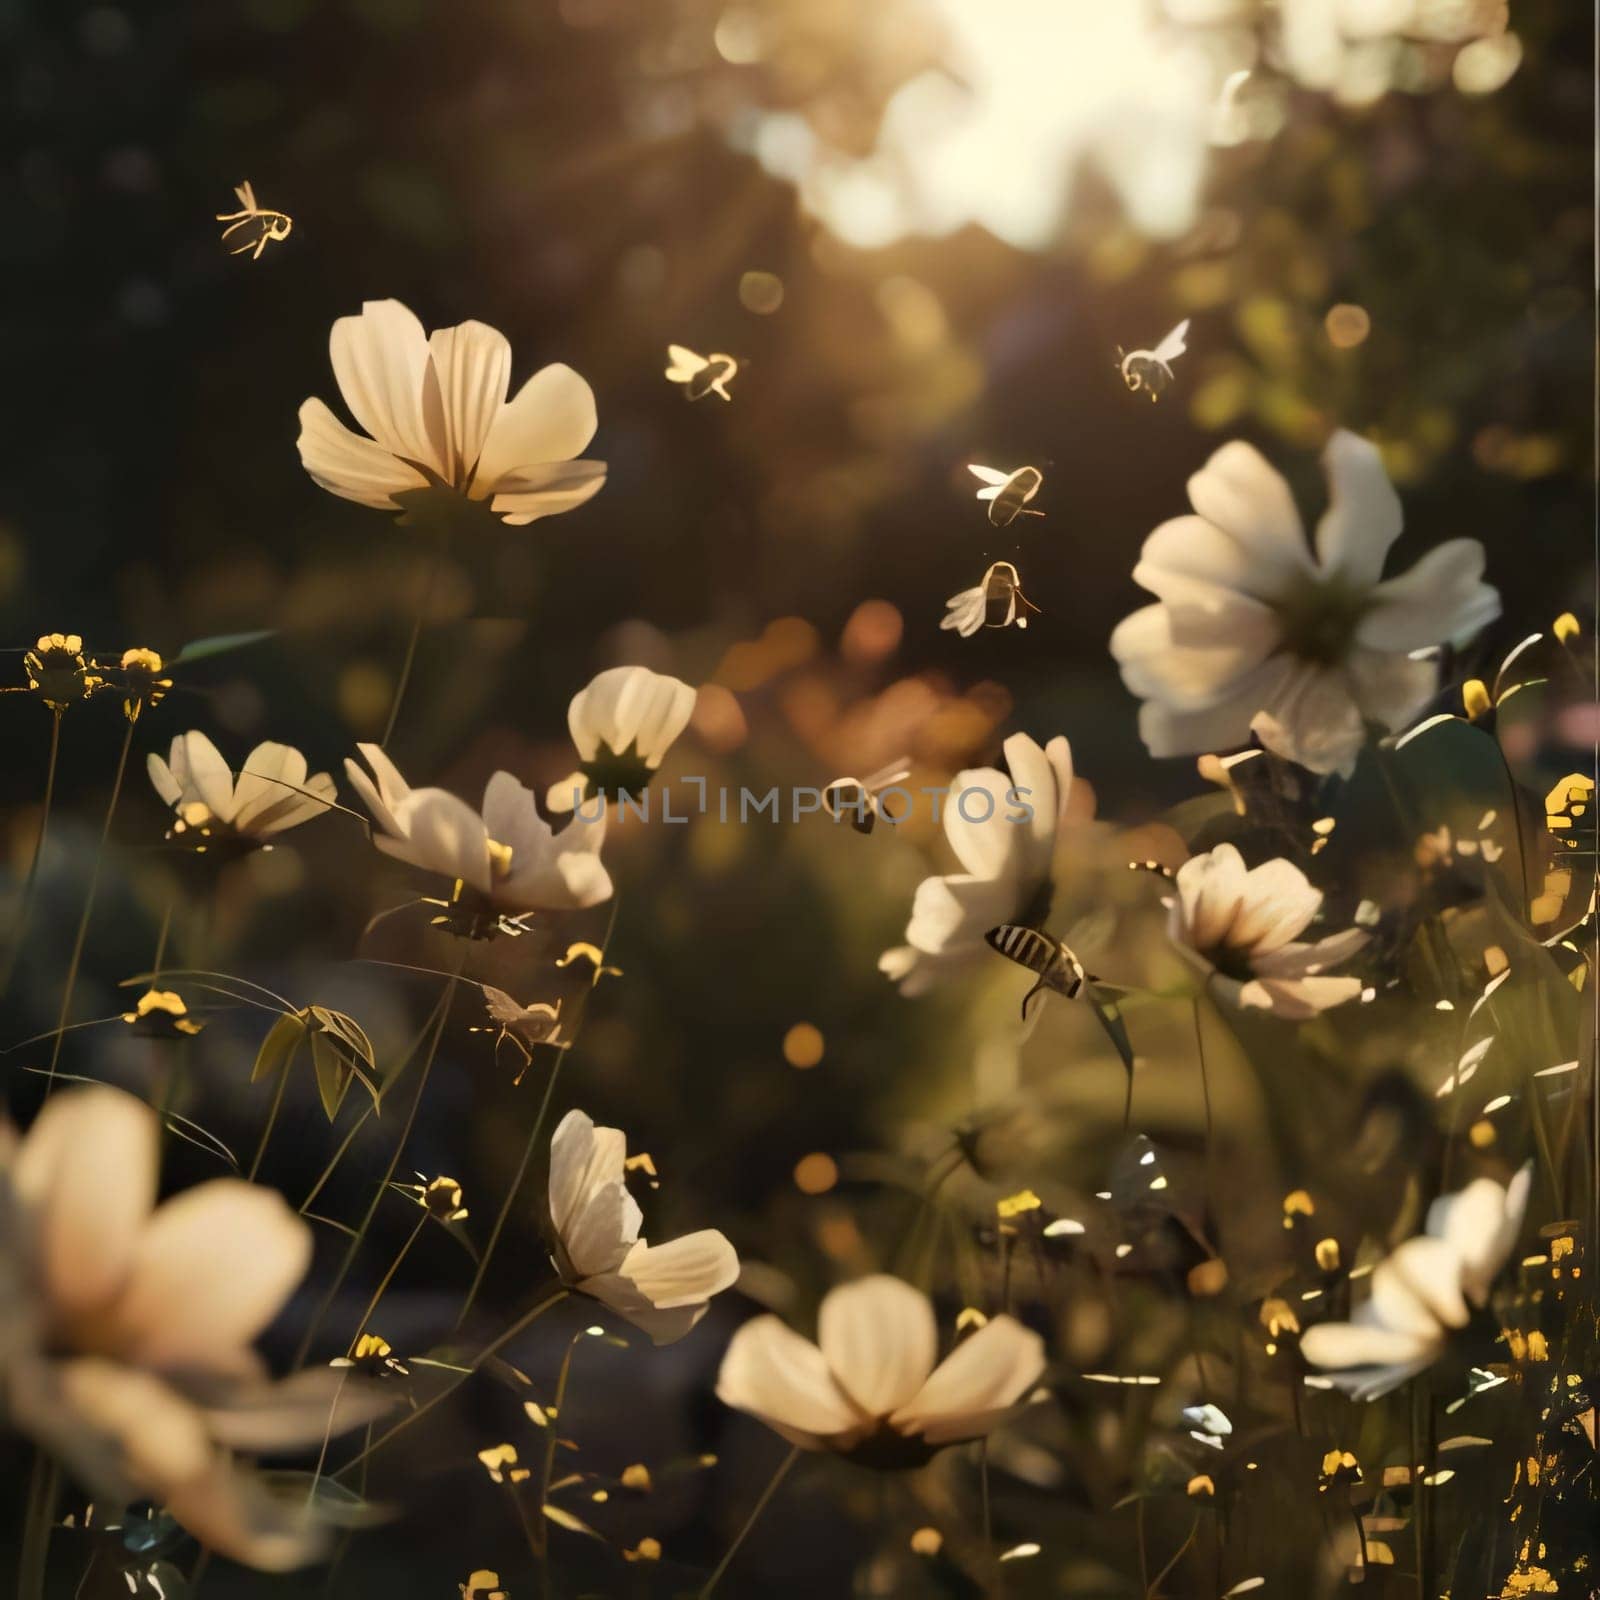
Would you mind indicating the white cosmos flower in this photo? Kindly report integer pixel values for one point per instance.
(1003, 832)
(507, 854)
(1253, 629)
(1242, 928)
(662, 1288)
(128, 1325)
(272, 792)
(871, 1382)
(435, 411)
(1424, 1291)
(622, 723)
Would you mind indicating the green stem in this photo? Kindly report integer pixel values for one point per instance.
(513, 1191)
(388, 1277)
(272, 1116)
(354, 1248)
(750, 1521)
(88, 908)
(553, 1430)
(488, 1351)
(338, 1155)
(31, 882)
(533, 1139)
(35, 1556)
(411, 646)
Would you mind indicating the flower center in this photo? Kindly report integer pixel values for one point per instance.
(613, 774)
(1320, 618)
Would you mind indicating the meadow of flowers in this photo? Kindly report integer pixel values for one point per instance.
(574, 1027)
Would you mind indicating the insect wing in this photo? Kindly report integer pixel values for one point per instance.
(685, 363)
(966, 611)
(1174, 344)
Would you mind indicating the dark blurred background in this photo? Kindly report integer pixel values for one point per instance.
(571, 174)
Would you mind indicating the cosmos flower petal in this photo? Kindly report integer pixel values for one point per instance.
(601, 1231)
(1211, 887)
(294, 1413)
(213, 1267)
(203, 772)
(87, 1173)
(380, 361)
(536, 492)
(163, 779)
(586, 1163)
(472, 366)
(1442, 598)
(1339, 1345)
(880, 1340)
(986, 847)
(383, 790)
(1278, 902)
(1296, 999)
(1481, 1223)
(1250, 502)
(441, 833)
(981, 1378)
(1043, 782)
(1419, 1286)
(1190, 561)
(684, 1271)
(551, 418)
(267, 781)
(1363, 518)
(351, 465)
(772, 1373)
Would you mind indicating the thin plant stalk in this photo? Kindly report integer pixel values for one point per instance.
(750, 1521)
(354, 1248)
(31, 882)
(547, 1472)
(410, 658)
(88, 908)
(487, 1353)
(388, 1277)
(533, 1139)
(272, 1116)
(35, 1554)
(513, 1191)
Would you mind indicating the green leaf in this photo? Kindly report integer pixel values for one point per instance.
(277, 1050)
(218, 644)
(332, 1068)
(1108, 1009)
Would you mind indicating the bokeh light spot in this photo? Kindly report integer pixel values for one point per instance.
(803, 1045)
(816, 1173)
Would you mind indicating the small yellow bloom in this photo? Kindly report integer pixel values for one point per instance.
(1014, 1205)
(1475, 700)
(1566, 627)
(1200, 1487)
(636, 1477)
(500, 1462)
(927, 1542)
(59, 672)
(163, 1014)
(144, 681)
(441, 1199)
(645, 1550)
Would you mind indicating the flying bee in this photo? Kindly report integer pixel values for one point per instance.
(1008, 493)
(861, 797)
(993, 604)
(524, 1026)
(1053, 965)
(1151, 370)
(273, 225)
(700, 375)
